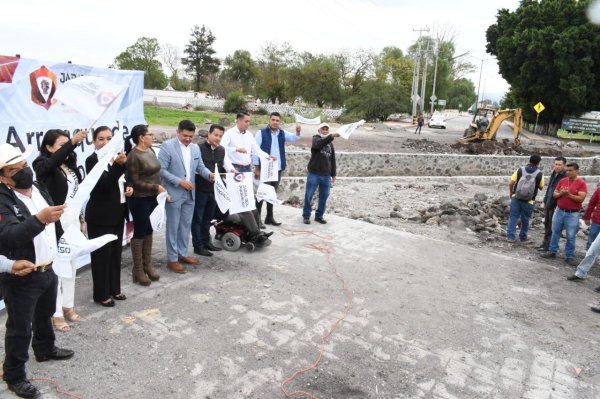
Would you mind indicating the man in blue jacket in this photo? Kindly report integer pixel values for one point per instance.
(179, 163)
(272, 140)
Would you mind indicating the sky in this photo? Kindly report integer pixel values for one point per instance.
(93, 32)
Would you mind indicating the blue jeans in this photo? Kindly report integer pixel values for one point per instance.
(519, 209)
(570, 222)
(590, 258)
(594, 230)
(312, 182)
(204, 212)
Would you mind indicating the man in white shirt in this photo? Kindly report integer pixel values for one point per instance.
(27, 232)
(240, 144)
(179, 161)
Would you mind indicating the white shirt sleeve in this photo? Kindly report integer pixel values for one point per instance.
(5, 264)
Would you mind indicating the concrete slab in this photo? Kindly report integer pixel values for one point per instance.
(429, 318)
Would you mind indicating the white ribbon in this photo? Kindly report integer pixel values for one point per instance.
(346, 130)
(306, 121)
(157, 217)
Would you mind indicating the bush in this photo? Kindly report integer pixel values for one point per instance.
(199, 108)
(262, 111)
(235, 102)
(375, 102)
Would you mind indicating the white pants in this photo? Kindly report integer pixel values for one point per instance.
(65, 297)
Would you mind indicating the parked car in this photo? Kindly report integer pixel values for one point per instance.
(437, 120)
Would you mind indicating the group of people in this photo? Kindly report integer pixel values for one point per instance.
(562, 205)
(38, 302)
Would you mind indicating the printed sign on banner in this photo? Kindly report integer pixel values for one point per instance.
(29, 105)
(268, 170)
(221, 194)
(241, 192)
(266, 192)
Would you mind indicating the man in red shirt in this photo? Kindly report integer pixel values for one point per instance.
(570, 193)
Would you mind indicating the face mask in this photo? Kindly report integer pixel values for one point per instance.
(323, 135)
(23, 179)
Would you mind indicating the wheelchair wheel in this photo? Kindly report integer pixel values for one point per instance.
(231, 242)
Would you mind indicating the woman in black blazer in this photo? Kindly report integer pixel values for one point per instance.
(105, 213)
(56, 169)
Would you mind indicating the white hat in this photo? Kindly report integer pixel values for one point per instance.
(322, 125)
(10, 155)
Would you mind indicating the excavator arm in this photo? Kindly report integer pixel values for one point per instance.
(473, 133)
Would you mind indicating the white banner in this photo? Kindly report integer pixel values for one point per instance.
(241, 192)
(306, 121)
(346, 130)
(72, 245)
(268, 170)
(221, 194)
(28, 107)
(157, 217)
(266, 192)
(89, 95)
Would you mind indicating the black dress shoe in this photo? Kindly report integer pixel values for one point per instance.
(202, 251)
(272, 222)
(24, 389)
(575, 278)
(56, 354)
(267, 235)
(306, 221)
(211, 247)
(321, 220)
(548, 255)
(595, 309)
(597, 289)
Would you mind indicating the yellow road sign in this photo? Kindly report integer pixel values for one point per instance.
(539, 107)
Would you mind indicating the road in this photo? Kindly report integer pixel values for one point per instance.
(455, 127)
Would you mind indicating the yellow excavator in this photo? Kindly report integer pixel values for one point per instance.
(482, 129)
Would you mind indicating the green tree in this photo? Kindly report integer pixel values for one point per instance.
(142, 56)
(273, 63)
(200, 60)
(548, 51)
(393, 67)
(376, 100)
(461, 94)
(240, 68)
(316, 80)
(355, 66)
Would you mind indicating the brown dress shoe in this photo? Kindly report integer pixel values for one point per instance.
(176, 267)
(188, 260)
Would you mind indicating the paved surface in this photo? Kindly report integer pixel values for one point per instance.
(429, 319)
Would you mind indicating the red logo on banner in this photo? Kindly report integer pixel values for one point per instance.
(8, 65)
(43, 86)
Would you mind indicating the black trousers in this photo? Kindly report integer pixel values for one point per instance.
(548, 214)
(141, 208)
(106, 261)
(269, 205)
(30, 303)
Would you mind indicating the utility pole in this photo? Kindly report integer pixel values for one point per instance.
(437, 55)
(424, 80)
(415, 82)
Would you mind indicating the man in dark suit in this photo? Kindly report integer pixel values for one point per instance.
(27, 232)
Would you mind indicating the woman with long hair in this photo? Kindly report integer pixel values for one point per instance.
(105, 213)
(56, 169)
(143, 173)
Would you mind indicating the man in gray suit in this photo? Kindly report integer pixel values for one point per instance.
(179, 162)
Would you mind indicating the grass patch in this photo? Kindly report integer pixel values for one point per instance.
(163, 116)
(563, 134)
(171, 116)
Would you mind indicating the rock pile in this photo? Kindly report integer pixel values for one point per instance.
(427, 146)
(487, 217)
